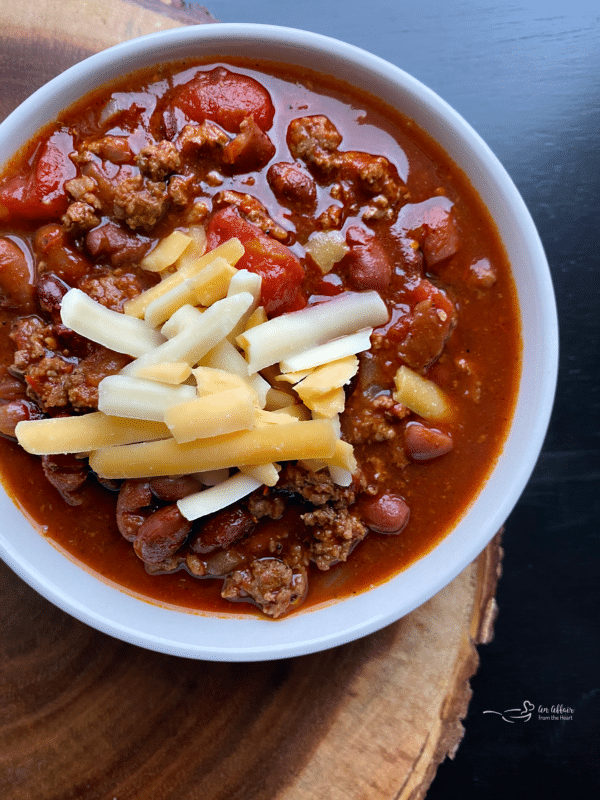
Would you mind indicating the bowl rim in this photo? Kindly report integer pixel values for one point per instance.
(70, 586)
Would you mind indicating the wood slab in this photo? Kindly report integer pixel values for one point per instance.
(85, 716)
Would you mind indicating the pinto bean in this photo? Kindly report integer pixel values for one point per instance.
(223, 530)
(386, 513)
(16, 289)
(423, 443)
(134, 496)
(367, 262)
(56, 254)
(161, 535)
(292, 186)
(16, 411)
(171, 489)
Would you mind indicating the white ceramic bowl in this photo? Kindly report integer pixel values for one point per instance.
(237, 638)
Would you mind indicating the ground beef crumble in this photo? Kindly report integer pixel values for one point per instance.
(336, 532)
(269, 583)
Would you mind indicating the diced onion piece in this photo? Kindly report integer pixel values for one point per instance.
(84, 433)
(265, 474)
(261, 445)
(225, 356)
(116, 331)
(212, 415)
(173, 372)
(166, 252)
(203, 289)
(331, 351)
(231, 250)
(421, 395)
(295, 332)
(217, 497)
(327, 248)
(324, 379)
(195, 340)
(136, 398)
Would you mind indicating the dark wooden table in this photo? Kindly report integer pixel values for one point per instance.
(526, 75)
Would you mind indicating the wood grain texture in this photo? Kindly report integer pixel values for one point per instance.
(40, 39)
(86, 716)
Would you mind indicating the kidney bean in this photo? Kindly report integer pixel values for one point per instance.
(11, 388)
(257, 545)
(16, 411)
(292, 186)
(56, 254)
(121, 246)
(134, 496)
(49, 292)
(223, 530)
(171, 489)
(67, 474)
(161, 535)
(16, 287)
(367, 262)
(386, 513)
(423, 443)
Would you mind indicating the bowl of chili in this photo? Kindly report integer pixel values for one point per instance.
(381, 281)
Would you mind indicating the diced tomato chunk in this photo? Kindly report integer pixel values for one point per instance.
(226, 98)
(281, 271)
(428, 291)
(40, 193)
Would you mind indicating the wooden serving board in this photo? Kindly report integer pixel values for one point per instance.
(85, 716)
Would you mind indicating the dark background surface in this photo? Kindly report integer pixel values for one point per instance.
(526, 75)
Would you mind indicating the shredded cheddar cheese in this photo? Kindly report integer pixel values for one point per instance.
(193, 401)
